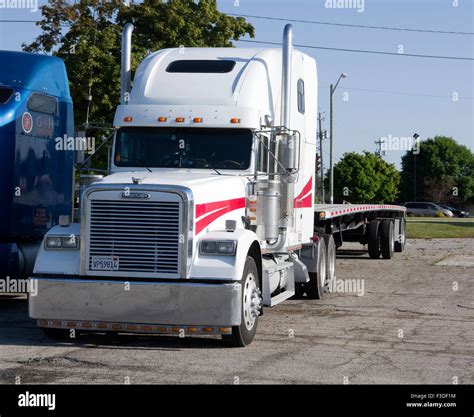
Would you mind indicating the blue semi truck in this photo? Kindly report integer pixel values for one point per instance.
(36, 179)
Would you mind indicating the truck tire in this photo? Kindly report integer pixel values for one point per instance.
(243, 335)
(315, 287)
(330, 260)
(373, 238)
(387, 240)
(400, 245)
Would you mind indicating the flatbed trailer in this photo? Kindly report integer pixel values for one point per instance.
(207, 215)
(380, 226)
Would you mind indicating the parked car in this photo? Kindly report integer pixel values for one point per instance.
(421, 208)
(455, 211)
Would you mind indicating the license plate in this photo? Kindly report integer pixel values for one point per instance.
(105, 263)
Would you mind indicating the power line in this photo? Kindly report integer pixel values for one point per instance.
(322, 47)
(406, 94)
(18, 21)
(445, 32)
(28, 21)
(364, 51)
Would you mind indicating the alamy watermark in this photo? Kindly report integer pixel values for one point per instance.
(19, 286)
(400, 143)
(69, 143)
(28, 399)
(358, 5)
(353, 285)
(20, 4)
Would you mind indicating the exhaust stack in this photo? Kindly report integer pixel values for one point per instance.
(286, 75)
(126, 66)
(283, 188)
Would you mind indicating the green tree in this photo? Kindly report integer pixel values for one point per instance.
(365, 178)
(444, 171)
(87, 35)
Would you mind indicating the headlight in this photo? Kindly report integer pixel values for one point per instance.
(70, 242)
(52, 242)
(217, 247)
(61, 242)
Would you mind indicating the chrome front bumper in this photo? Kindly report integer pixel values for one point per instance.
(186, 303)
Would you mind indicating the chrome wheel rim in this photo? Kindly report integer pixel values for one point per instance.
(322, 272)
(251, 301)
(331, 267)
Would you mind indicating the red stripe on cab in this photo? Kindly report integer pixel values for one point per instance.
(212, 211)
(300, 200)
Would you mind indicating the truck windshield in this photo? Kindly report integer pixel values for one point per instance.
(162, 147)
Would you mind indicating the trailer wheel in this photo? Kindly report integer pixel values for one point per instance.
(400, 243)
(251, 304)
(373, 238)
(387, 241)
(315, 287)
(330, 260)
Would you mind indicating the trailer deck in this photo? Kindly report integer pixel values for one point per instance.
(329, 211)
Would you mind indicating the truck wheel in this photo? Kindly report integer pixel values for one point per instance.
(330, 260)
(373, 238)
(315, 287)
(387, 241)
(251, 303)
(58, 334)
(400, 245)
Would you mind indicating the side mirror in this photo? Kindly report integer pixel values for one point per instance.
(290, 146)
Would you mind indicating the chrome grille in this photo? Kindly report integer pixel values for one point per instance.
(144, 235)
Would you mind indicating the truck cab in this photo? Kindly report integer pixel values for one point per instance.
(36, 186)
(207, 214)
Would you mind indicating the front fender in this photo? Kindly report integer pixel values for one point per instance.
(223, 267)
(59, 261)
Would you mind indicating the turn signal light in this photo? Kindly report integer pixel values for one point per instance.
(127, 118)
(208, 329)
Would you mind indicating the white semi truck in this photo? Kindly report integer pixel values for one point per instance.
(208, 214)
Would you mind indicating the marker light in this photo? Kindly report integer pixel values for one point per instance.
(162, 119)
(197, 120)
(127, 118)
(179, 119)
(208, 329)
(235, 120)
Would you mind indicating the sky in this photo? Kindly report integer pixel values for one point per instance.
(383, 96)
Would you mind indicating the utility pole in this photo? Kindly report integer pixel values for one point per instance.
(331, 170)
(415, 137)
(379, 151)
(332, 89)
(321, 135)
